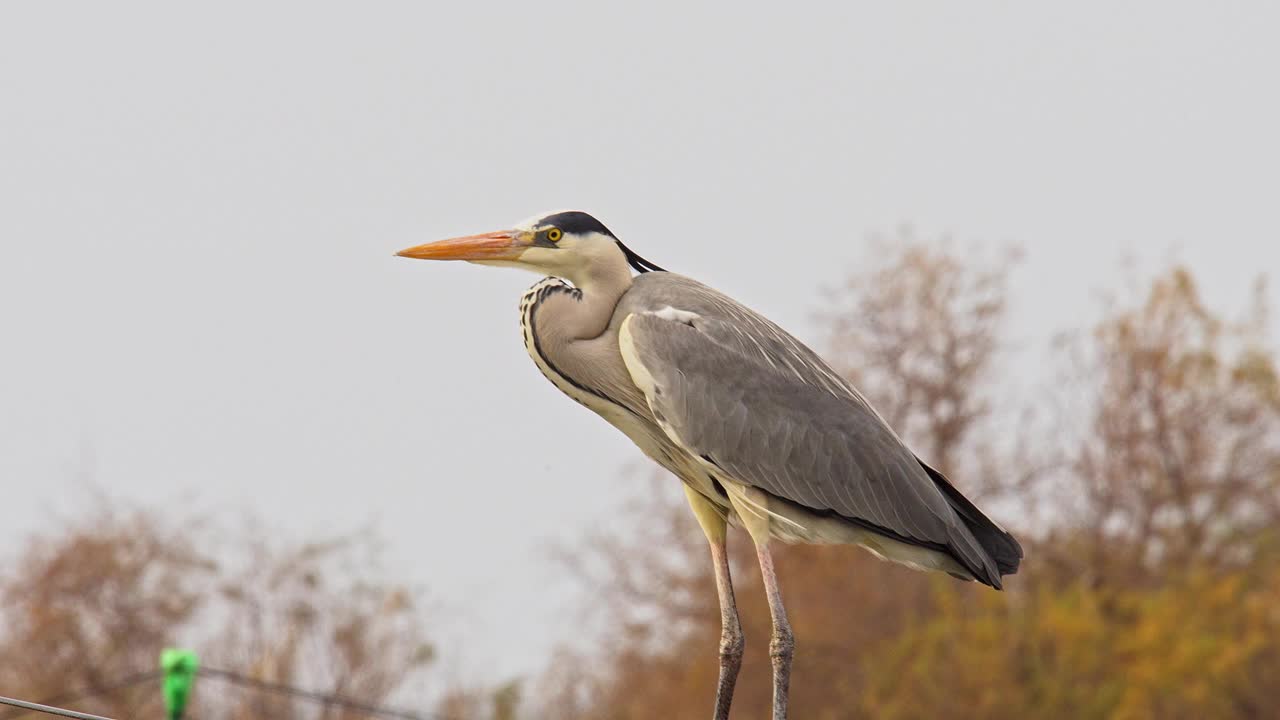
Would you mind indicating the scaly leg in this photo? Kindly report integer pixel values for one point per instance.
(752, 507)
(732, 642)
(782, 645)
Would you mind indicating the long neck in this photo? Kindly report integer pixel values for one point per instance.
(566, 331)
(582, 314)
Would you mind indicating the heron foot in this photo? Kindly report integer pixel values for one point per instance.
(782, 648)
(732, 645)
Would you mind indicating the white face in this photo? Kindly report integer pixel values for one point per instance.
(552, 251)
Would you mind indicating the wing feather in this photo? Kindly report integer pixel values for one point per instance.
(731, 386)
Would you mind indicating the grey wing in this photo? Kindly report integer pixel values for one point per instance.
(771, 418)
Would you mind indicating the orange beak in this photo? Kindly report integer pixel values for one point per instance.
(498, 245)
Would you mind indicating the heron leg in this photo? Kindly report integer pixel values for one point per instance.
(782, 645)
(732, 641)
(752, 507)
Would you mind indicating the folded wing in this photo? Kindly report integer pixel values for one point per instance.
(745, 396)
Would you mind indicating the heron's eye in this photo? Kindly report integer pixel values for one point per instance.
(554, 234)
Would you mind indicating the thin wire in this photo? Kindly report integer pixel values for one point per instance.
(126, 681)
(49, 709)
(334, 700)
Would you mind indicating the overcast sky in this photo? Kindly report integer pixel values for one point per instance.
(199, 206)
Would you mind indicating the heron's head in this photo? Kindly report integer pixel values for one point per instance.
(570, 244)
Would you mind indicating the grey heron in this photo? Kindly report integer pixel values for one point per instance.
(762, 432)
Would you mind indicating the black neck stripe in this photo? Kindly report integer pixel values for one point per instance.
(531, 317)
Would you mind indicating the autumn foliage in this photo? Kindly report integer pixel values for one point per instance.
(94, 602)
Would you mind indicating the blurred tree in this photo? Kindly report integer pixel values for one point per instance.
(1202, 645)
(919, 334)
(1180, 465)
(95, 602)
(506, 701)
(87, 606)
(501, 702)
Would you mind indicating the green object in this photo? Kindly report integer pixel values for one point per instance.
(179, 668)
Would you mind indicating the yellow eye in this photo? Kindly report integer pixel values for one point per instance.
(554, 234)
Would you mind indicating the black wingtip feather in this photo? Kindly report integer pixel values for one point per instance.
(1001, 546)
